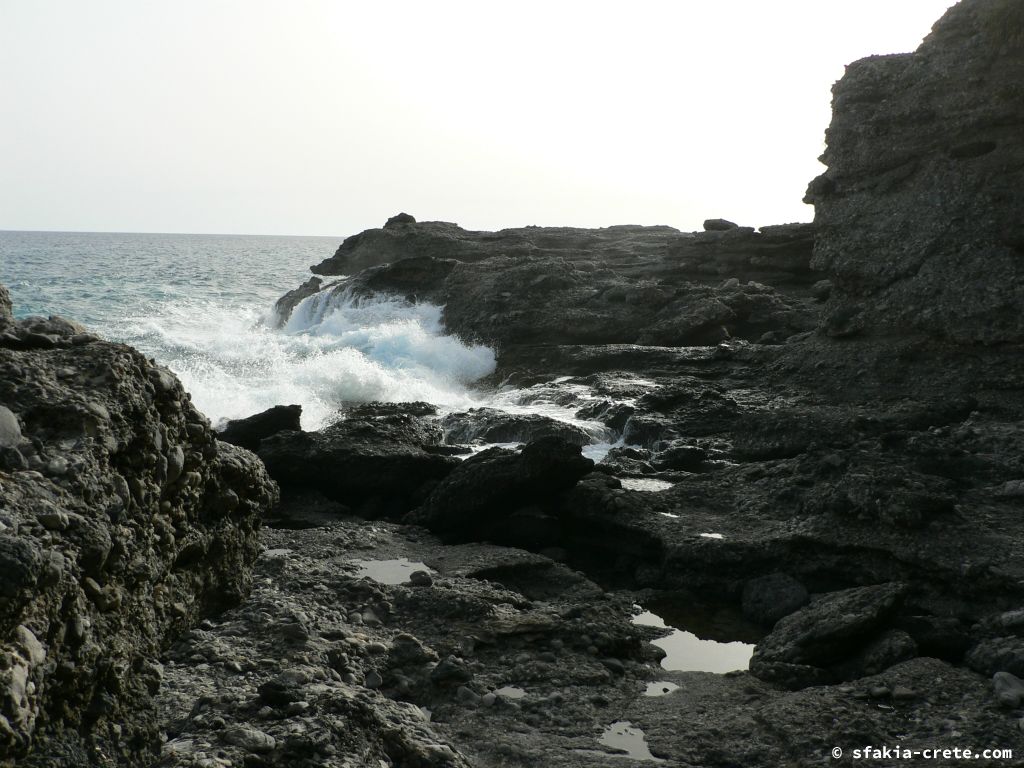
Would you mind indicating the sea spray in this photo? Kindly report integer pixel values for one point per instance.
(334, 350)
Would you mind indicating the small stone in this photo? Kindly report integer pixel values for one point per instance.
(902, 693)
(489, 699)
(376, 648)
(373, 680)
(879, 692)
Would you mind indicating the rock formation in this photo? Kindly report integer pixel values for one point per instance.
(122, 522)
(918, 214)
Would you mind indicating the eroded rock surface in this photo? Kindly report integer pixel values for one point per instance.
(122, 521)
(918, 214)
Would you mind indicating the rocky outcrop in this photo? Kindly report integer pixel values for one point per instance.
(248, 432)
(501, 494)
(491, 425)
(918, 214)
(557, 285)
(380, 460)
(122, 521)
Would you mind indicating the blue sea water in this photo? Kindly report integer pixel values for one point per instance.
(201, 304)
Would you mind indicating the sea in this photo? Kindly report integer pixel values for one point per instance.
(202, 305)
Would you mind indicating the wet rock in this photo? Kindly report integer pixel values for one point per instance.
(490, 425)
(248, 432)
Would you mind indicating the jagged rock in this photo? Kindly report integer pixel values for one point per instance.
(805, 647)
(918, 213)
(248, 432)
(491, 425)
(103, 553)
(284, 306)
(380, 460)
(480, 494)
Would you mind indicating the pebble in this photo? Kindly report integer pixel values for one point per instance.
(902, 693)
(879, 692)
(489, 699)
(373, 680)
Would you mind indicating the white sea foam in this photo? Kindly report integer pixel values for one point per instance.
(333, 350)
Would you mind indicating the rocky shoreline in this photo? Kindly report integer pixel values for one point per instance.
(816, 430)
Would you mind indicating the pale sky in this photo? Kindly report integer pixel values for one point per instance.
(326, 117)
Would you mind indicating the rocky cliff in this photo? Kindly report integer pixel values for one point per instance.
(919, 213)
(122, 521)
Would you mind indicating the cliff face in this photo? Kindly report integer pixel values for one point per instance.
(919, 214)
(122, 519)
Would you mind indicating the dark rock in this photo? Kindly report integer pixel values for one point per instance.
(487, 488)
(6, 310)
(399, 219)
(998, 654)
(767, 599)
(718, 225)
(248, 432)
(919, 230)
(489, 425)
(284, 306)
(377, 461)
(97, 547)
(681, 456)
(805, 647)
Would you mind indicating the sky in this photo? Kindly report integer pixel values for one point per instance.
(328, 116)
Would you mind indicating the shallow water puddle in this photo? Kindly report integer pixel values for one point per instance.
(685, 652)
(645, 484)
(712, 536)
(390, 571)
(624, 740)
(660, 688)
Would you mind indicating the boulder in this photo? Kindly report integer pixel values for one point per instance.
(486, 489)
(379, 461)
(248, 432)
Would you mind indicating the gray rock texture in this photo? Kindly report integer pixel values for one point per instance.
(122, 521)
(919, 213)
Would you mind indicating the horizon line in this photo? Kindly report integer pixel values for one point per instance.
(129, 232)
